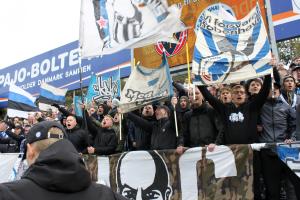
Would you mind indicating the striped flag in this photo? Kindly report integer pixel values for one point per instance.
(20, 102)
(146, 85)
(229, 50)
(51, 95)
(4, 97)
(110, 26)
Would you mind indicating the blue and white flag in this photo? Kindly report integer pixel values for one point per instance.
(20, 102)
(77, 102)
(146, 85)
(290, 155)
(229, 50)
(51, 95)
(107, 26)
(104, 87)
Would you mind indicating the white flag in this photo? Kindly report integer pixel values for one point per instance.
(108, 26)
(145, 86)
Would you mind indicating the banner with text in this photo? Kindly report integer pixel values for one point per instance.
(60, 68)
(191, 9)
(225, 173)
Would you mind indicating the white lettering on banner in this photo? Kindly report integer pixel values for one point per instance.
(62, 57)
(73, 57)
(44, 67)
(76, 71)
(188, 172)
(103, 171)
(51, 78)
(222, 157)
(223, 167)
(223, 160)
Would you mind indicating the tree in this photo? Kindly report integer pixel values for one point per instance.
(289, 49)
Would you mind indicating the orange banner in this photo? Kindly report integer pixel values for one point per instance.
(150, 56)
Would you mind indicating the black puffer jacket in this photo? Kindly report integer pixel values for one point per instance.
(78, 137)
(105, 140)
(163, 134)
(200, 127)
(58, 173)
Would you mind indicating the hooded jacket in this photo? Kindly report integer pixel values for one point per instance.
(58, 173)
(278, 120)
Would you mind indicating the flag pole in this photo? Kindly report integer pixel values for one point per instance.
(81, 90)
(271, 29)
(175, 118)
(120, 114)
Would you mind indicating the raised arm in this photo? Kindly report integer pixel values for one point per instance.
(213, 101)
(139, 121)
(261, 97)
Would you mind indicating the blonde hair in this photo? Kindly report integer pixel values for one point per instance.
(44, 144)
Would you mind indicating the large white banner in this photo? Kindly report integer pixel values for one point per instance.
(229, 50)
(146, 85)
(108, 26)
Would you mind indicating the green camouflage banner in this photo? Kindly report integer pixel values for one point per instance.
(225, 173)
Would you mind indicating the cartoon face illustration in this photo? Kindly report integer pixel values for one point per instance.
(143, 175)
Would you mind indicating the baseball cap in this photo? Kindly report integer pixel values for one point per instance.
(40, 131)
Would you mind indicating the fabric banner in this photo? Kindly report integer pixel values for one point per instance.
(191, 9)
(51, 95)
(146, 86)
(108, 26)
(289, 154)
(7, 163)
(230, 51)
(225, 173)
(104, 87)
(20, 102)
(77, 102)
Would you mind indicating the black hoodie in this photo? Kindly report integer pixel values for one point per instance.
(58, 173)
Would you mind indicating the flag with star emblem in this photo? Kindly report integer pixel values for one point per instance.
(108, 26)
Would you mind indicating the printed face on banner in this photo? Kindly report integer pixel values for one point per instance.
(155, 185)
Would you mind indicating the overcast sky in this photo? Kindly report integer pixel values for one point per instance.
(31, 27)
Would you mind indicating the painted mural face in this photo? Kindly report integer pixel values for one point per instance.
(152, 168)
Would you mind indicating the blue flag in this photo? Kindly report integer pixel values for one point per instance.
(77, 102)
(104, 87)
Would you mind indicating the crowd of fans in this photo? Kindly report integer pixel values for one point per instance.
(260, 110)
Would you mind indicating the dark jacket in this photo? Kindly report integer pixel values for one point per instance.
(278, 120)
(78, 137)
(104, 140)
(163, 134)
(239, 122)
(58, 173)
(140, 136)
(200, 127)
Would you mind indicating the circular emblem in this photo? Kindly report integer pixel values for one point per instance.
(38, 134)
(171, 49)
